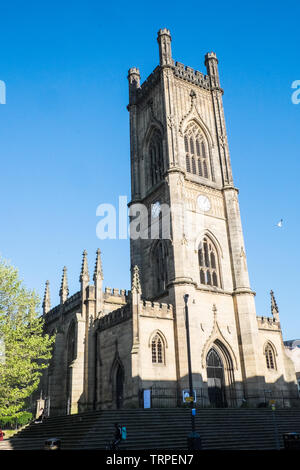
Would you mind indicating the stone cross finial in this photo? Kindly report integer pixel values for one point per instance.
(46, 301)
(84, 275)
(98, 273)
(64, 290)
(274, 306)
(136, 285)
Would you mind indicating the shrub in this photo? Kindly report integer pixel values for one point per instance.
(16, 421)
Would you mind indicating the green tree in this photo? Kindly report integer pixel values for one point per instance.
(26, 350)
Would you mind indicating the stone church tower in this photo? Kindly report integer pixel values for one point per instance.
(111, 346)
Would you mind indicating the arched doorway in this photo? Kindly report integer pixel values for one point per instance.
(215, 379)
(119, 387)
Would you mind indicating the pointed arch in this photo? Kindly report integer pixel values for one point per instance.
(193, 115)
(158, 345)
(155, 157)
(208, 233)
(159, 332)
(115, 364)
(220, 375)
(218, 341)
(153, 154)
(272, 346)
(270, 354)
(154, 126)
(117, 380)
(197, 150)
(209, 263)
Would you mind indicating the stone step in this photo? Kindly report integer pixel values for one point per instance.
(162, 429)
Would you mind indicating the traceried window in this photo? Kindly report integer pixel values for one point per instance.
(156, 160)
(270, 357)
(196, 152)
(208, 263)
(160, 260)
(158, 349)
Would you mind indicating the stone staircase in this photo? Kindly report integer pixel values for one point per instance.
(232, 429)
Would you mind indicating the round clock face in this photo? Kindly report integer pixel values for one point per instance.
(155, 209)
(203, 203)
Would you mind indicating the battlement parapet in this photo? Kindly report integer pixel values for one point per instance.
(114, 291)
(134, 71)
(149, 82)
(180, 71)
(75, 298)
(191, 75)
(115, 317)
(209, 56)
(113, 294)
(156, 309)
(52, 315)
(164, 31)
(267, 323)
(69, 304)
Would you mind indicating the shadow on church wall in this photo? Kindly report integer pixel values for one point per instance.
(170, 394)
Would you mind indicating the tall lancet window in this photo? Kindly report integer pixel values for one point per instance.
(156, 160)
(161, 262)
(158, 349)
(270, 357)
(208, 263)
(196, 152)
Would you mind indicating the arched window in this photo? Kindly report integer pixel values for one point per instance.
(213, 359)
(193, 166)
(196, 151)
(208, 263)
(188, 163)
(156, 160)
(270, 357)
(161, 265)
(158, 349)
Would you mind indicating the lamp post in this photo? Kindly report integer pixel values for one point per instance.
(194, 440)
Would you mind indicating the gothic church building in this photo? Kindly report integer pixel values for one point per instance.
(112, 345)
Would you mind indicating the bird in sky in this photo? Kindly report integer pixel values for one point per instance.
(279, 223)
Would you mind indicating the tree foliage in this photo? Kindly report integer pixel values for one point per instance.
(26, 349)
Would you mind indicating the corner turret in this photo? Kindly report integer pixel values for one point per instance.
(165, 52)
(211, 64)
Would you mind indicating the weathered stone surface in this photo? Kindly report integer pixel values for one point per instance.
(113, 330)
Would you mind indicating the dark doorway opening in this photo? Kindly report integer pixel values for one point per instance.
(215, 379)
(119, 387)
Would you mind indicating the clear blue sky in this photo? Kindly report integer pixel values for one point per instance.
(64, 132)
